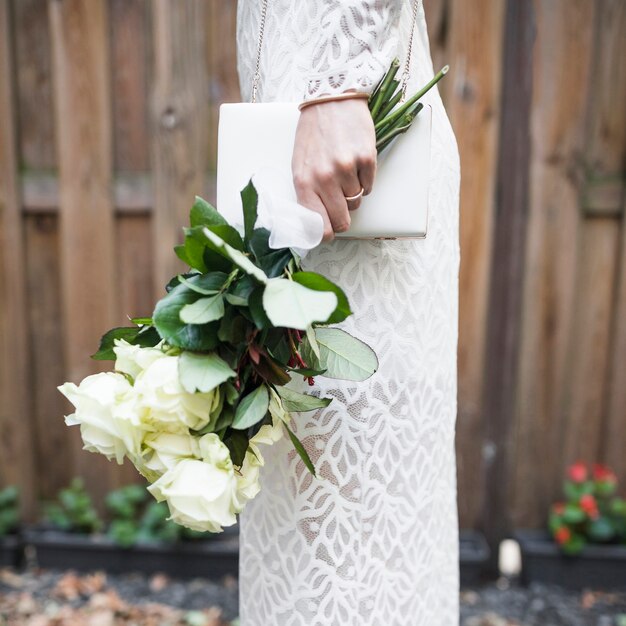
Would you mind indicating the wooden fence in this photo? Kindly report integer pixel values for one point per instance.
(108, 112)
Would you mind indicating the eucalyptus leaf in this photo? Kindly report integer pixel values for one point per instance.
(251, 409)
(202, 372)
(300, 449)
(301, 402)
(203, 310)
(292, 305)
(318, 282)
(341, 355)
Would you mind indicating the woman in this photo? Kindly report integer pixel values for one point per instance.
(376, 541)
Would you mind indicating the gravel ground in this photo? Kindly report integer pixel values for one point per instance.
(48, 598)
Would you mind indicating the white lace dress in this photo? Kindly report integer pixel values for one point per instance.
(376, 542)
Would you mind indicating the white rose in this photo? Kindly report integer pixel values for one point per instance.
(200, 494)
(134, 359)
(163, 450)
(248, 485)
(106, 413)
(165, 404)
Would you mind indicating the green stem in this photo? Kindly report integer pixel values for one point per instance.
(392, 103)
(401, 121)
(395, 115)
(378, 100)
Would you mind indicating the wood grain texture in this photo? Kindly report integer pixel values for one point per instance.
(35, 102)
(130, 69)
(471, 42)
(179, 123)
(607, 161)
(507, 270)
(561, 73)
(16, 453)
(49, 435)
(83, 120)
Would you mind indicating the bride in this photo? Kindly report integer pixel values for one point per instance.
(375, 542)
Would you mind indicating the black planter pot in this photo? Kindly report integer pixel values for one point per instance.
(473, 555)
(212, 558)
(10, 551)
(596, 567)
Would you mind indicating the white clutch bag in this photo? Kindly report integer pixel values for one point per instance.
(255, 135)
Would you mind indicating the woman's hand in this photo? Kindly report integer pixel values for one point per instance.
(334, 155)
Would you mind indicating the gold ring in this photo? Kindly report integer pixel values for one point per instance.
(358, 195)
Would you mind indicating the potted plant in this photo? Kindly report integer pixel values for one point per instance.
(138, 537)
(10, 544)
(584, 541)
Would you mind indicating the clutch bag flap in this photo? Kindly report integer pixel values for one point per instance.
(254, 135)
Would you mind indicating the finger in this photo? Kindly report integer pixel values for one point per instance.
(366, 170)
(312, 201)
(336, 207)
(351, 187)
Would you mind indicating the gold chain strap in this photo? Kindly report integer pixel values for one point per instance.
(405, 73)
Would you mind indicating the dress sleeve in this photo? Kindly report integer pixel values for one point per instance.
(354, 45)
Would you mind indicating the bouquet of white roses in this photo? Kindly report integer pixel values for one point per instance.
(201, 386)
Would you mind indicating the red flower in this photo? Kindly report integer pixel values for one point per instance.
(563, 535)
(558, 508)
(603, 473)
(577, 472)
(589, 505)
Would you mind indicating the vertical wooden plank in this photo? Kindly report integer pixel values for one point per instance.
(83, 122)
(34, 80)
(180, 122)
(608, 163)
(16, 455)
(50, 437)
(474, 51)
(222, 65)
(130, 64)
(507, 271)
(561, 79)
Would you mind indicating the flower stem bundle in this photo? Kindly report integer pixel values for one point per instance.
(391, 120)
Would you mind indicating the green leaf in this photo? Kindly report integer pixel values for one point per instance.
(301, 402)
(257, 311)
(233, 327)
(240, 291)
(146, 337)
(202, 372)
(249, 200)
(271, 371)
(141, 321)
(292, 305)
(270, 260)
(236, 256)
(237, 444)
(204, 214)
(304, 455)
(251, 409)
(205, 284)
(195, 337)
(318, 282)
(601, 529)
(191, 252)
(341, 355)
(573, 514)
(203, 310)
